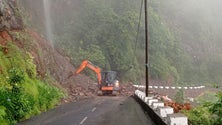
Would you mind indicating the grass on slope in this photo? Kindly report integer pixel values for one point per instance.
(22, 95)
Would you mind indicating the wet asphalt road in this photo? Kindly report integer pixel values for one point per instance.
(106, 110)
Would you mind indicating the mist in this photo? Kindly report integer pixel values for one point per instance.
(197, 26)
(199, 22)
(86, 26)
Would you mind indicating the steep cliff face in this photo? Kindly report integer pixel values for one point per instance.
(22, 92)
(47, 59)
(50, 63)
(10, 17)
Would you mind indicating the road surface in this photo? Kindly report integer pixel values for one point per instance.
(106, 110)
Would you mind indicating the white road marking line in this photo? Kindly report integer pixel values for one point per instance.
(93, 109)
(83, 121)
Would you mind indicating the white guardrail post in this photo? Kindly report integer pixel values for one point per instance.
(164, 112)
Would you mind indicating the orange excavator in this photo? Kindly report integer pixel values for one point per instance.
(107, 82)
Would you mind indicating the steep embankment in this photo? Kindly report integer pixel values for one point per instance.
(49, 62)
(52, 62)
(30, 69)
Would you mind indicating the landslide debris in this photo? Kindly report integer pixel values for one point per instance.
(127, 89)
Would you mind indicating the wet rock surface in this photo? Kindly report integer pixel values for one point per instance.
(10, 16)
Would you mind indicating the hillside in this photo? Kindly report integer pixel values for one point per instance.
(196, 25)
(49, 62)
(33, 75)
(34, 72)
(184, 42)
(184, 49)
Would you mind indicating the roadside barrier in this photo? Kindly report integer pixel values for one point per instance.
(170, 87)
(160, 114)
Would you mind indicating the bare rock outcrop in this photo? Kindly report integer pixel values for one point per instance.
(10, 16)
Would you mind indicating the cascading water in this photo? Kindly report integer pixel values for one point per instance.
(49, 35)
(48, 21)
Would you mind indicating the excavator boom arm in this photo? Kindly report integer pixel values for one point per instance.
(88, 64)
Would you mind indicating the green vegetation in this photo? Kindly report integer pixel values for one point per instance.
(166, 56)
(102, 34)
(179, 97)
(207, 95)
(196, 25)
(105, 33)
(184, 39)
(21, 93)
(178, 49)
(209, 113)
(184, 43)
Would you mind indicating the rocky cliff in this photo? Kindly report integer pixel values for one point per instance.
(10, 17)
(51, 65)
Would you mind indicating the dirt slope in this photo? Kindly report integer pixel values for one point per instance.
(50, 61)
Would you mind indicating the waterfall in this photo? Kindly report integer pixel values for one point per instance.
(48, 21)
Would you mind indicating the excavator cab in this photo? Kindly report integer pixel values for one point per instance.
(108, 77)
(109, 84)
